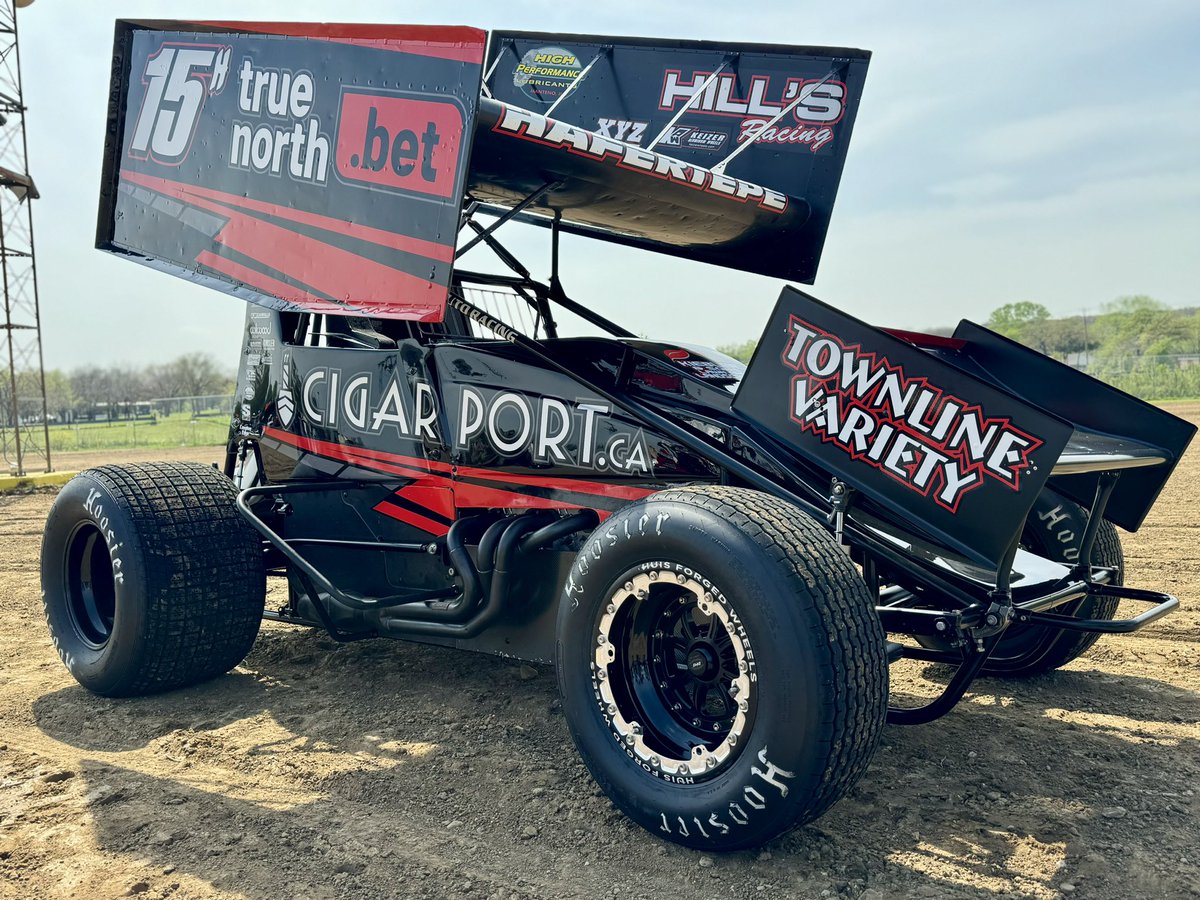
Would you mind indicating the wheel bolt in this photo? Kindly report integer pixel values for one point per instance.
(641, 595)
(629, 586)
(610, 609)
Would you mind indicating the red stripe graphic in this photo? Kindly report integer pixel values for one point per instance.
(272, 286)
(411, 518)
(434, 495)
(451, 42)
(604, 488)
(404, 243)
(370, 287)
(465, 494)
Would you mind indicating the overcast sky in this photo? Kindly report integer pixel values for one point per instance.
(1011, 151)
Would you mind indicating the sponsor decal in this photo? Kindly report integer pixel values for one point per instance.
(810, 123)
(915, 432)
(581, 433)
(707, 369)
(286, 406)
(399, 142)
(622, 130)
(178, 79)
(284, 138)
(688, 137)
(530, 126)
(545, 73)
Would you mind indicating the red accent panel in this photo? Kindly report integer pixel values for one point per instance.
(436, 496)
(412, 466)
(411, 518)
(920, 339)
(266, 283)
(404, 243)
(598, 488)
(467, 494)
(365, 284)
(453, 42)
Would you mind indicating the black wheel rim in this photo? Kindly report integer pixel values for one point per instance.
(91, 589)
(672, 672)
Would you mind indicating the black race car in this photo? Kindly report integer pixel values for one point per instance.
(712, 557)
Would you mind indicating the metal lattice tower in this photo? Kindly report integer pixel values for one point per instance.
(24, 425)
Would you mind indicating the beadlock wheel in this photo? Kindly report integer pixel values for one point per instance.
(673, 674)
(721, 665)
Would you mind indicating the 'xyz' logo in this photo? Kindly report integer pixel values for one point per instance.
(178, 78)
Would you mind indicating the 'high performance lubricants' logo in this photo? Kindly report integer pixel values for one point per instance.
(913, 431)
(545, 73)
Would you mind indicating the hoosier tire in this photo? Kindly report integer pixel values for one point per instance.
(1054, 530)
(151, 580)
(721, 664)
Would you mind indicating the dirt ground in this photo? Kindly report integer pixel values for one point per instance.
(382, 769)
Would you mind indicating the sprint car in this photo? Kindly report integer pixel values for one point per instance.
(719, 561)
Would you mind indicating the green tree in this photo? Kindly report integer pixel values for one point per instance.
(742, 351)
(1023, 321)
(1142, 326)
(1062, 337)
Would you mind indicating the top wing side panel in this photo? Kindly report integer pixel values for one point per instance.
(313, 167)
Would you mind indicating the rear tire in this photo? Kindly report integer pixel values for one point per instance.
(721, 665)
(1054, 531)
(151, 580)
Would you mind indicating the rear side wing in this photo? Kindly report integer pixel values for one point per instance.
(311, 167)
(957, 436)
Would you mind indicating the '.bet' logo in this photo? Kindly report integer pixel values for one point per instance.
(399, 143)
(178, 79)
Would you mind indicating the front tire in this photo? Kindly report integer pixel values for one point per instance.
(151, 580)
(721, 666)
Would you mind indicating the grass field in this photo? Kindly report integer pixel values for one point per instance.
(179, 430)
